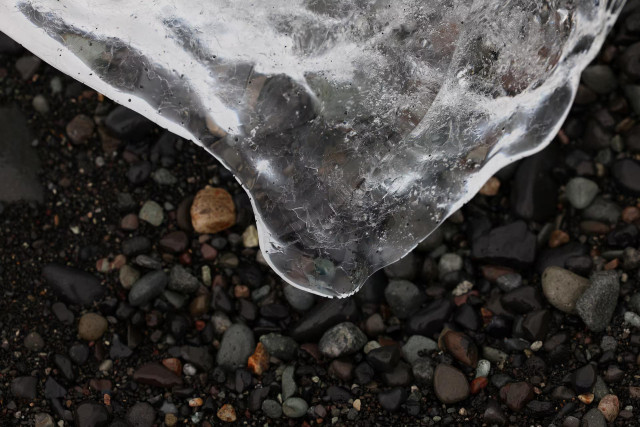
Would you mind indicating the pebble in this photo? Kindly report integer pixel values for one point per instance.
(280, 346)
(34, 342)
(508, 282)
(609, 405)
(449, 384)
(598, 302)
(181, 280)
(163, 177)
(42, 419)
(147, 288)
(152, 213)
(80, 129)
(294, 407)
(139, 172)
(73, 285)
(40, 104)
(212, 211)
(91, 414)
(460, 346)
(298, 299)
(250, 237)
(511, 245)
(602, 210)
(600, 79)
(136, 245)
(141, 414)
(516, 395)
(422, 370)
(27, 66)
(272, 409)
(417, 347)
(583, 379)
(236, 347)
(581, 192)
(626, 173)
(430, 320)
(562, 288)
(128, 276)
(156, 375)
(404, 268)
(227, 413)
(174, 242)
(342, 339)
(593, 418)
(322, 316)
(632, 319)
(449, 263)
(533, 190)
(289, 386)
(92, 326)
(404, 298)
(384, 359)
(24, 387)
(483, 368)
(391, 399)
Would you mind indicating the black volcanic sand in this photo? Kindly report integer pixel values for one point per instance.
(460, 332)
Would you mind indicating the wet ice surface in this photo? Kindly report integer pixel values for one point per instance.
(357, 127)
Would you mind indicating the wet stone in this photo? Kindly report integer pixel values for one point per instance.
(280, 346)
(562, 288)
(449, 384)
(91, 414)
(236, 347)
(390, 400)
(403, 297)
(181, 280)
(598, 302)
(294, 407)
(584, 378)
(422, 370)
(141, 414)
(155, 374)
(511, 245)
(24, 387)
(516, 395)
(73, 285)
(34, 342)
(147, 288)
(460, 346)
(342, 339)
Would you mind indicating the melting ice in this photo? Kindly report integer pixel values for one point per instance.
(356, 126)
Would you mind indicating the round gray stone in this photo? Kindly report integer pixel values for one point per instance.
(581, 192)
(236, 347)
(272, 409)
(403, 297)
(343, 339)
(298, 299)
(294, 407)
(597, 304)
(417, 345)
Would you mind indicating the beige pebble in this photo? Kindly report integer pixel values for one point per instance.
(212, 210)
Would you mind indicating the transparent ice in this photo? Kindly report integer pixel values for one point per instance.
(356, 126)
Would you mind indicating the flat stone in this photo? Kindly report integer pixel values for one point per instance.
(598, 302)
(236, 347)
(449, 384)
(562, 288)
(73, 285)
(156, 375)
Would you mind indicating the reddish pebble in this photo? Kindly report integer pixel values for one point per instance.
(610, 407)
(185, 258)
(478, 384)
(173, 364)
(558, 238)
(209, 253)
(241, 291)
(630, 214)
(492, 272)
(612, 265)
(227, 413)
(130, 222)
(259, 361)
(200, 325)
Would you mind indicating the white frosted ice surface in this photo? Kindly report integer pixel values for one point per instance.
(356, 126)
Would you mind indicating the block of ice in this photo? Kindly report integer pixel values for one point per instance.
(356, 126)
